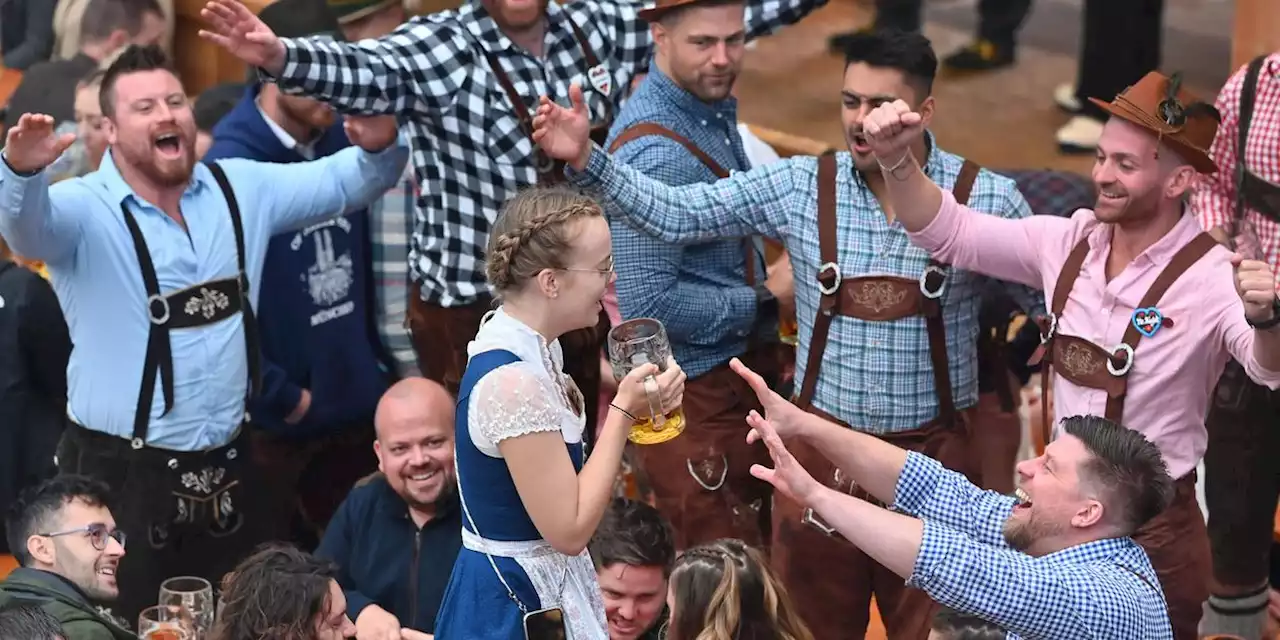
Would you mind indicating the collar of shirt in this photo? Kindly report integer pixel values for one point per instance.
(1158, 254)
(118, 190)
(681, 98)
(1104, 550)
(305, 150)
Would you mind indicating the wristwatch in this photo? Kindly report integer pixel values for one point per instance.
(1275, 317)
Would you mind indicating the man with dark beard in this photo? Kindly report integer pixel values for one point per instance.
(156, 262)
(396, 536)
(69, 548)
(1055, 562)
(1146, 308)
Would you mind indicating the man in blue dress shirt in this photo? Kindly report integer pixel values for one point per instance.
(1056, 562)
(156, 262)
(681, 127)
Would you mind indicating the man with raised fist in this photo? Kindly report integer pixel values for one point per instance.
(156, 262)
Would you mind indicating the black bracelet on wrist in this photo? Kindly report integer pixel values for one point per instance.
(1275, 317)
(623, 411)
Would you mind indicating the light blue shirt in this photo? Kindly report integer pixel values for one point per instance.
(77, 228)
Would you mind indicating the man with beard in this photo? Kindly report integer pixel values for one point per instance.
(465, 82)
(1146, 309)
(1242, 482)
(680, 127)
(322, 369)
(1057, 561)
(890, 352)
(395, 538)
(68, 548)
(157, 268)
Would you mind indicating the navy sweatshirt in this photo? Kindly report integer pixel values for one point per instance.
(315, 306)
(385, 559)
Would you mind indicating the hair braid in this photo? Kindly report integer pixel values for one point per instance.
(529, 234)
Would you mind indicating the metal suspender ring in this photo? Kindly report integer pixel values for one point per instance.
(834, 269)
(1128, 361)
(161, 317)
(137, 443)
(1053, 328)
(924, 282)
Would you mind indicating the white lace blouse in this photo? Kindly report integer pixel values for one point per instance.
(520, 398)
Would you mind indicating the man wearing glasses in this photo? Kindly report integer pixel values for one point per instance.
(67, 544)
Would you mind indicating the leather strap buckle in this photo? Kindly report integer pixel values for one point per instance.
(831, 270)
(1128, 361)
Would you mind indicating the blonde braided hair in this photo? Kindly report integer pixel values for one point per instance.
(532, 234)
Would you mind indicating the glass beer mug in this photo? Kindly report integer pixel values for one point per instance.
(634, 343)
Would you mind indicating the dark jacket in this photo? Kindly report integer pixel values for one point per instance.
(34, 349)
(60, 598)
(26, 32)
(387, 560)
(315, 305)
(49, 88)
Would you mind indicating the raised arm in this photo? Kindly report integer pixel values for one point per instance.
(29, 220)
(1257, 350)
(764, 17)
(415, 70)
(295, 194)
(518, 411)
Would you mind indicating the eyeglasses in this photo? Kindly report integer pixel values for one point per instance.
(96, 532)
(606, 271)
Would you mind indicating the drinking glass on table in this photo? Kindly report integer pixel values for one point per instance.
(193, 594)
(166, 622)
(634, 343)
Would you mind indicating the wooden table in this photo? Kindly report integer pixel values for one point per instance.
(202, 64)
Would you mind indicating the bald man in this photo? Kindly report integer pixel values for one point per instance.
(397, 534)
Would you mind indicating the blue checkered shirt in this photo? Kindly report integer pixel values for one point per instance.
(469, 152)
(876, 376)
(1104, 590)
(390, 227)
(698, 291)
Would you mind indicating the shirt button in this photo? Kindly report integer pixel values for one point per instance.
(728, 142)
(704, 123)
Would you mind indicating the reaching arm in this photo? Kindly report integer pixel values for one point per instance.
(33, 224)
(515, 409)
(764, 17)
(1257, 350)
(648, 285)
(37, 41)
(414, 71)
(1029, 298)
(299, 193)
(751, 203)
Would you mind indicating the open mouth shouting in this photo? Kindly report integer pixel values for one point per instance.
(860, 145)
(1024, 500)
(169, 145)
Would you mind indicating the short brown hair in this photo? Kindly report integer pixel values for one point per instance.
(633, 533)
(275, 594)
(530, 234)
(134, 59)
(1124, 468)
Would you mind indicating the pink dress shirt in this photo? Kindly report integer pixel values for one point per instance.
(1175, 371)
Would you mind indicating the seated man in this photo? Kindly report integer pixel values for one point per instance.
(396, 536)
(281, 592)
(634, 550)
(28, 622)
(63, 536)
(1055, 562)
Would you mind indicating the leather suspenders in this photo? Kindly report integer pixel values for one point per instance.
(643, 129)
(878, 298)
(196, 306)
(1252, 191)
(1086, 364)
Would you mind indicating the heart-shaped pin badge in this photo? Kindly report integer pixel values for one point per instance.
(1147, 320)
(600, 80)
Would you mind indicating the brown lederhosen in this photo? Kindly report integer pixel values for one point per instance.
(701, 481)
(1242, 481)
(831, 580)
(441, 334)
(1176, 539)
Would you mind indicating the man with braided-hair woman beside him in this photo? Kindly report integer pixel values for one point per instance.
(530, 499)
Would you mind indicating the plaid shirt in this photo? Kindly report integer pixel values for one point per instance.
(469, 151)
(699, 291)
(1215, 201)
(390, 226)
(1102, 589)
(876, 376)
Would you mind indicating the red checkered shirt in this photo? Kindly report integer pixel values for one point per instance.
(1214, 202)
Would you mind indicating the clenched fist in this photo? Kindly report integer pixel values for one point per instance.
(891, 129)
(1256, 284)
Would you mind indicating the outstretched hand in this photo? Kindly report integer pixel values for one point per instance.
(786, 419)
(564, 133)
(31, 145)
(786, 475)
(235, 28)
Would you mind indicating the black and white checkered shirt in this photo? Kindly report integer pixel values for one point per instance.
(469, 151)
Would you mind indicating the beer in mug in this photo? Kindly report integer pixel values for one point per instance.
(634, 343)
